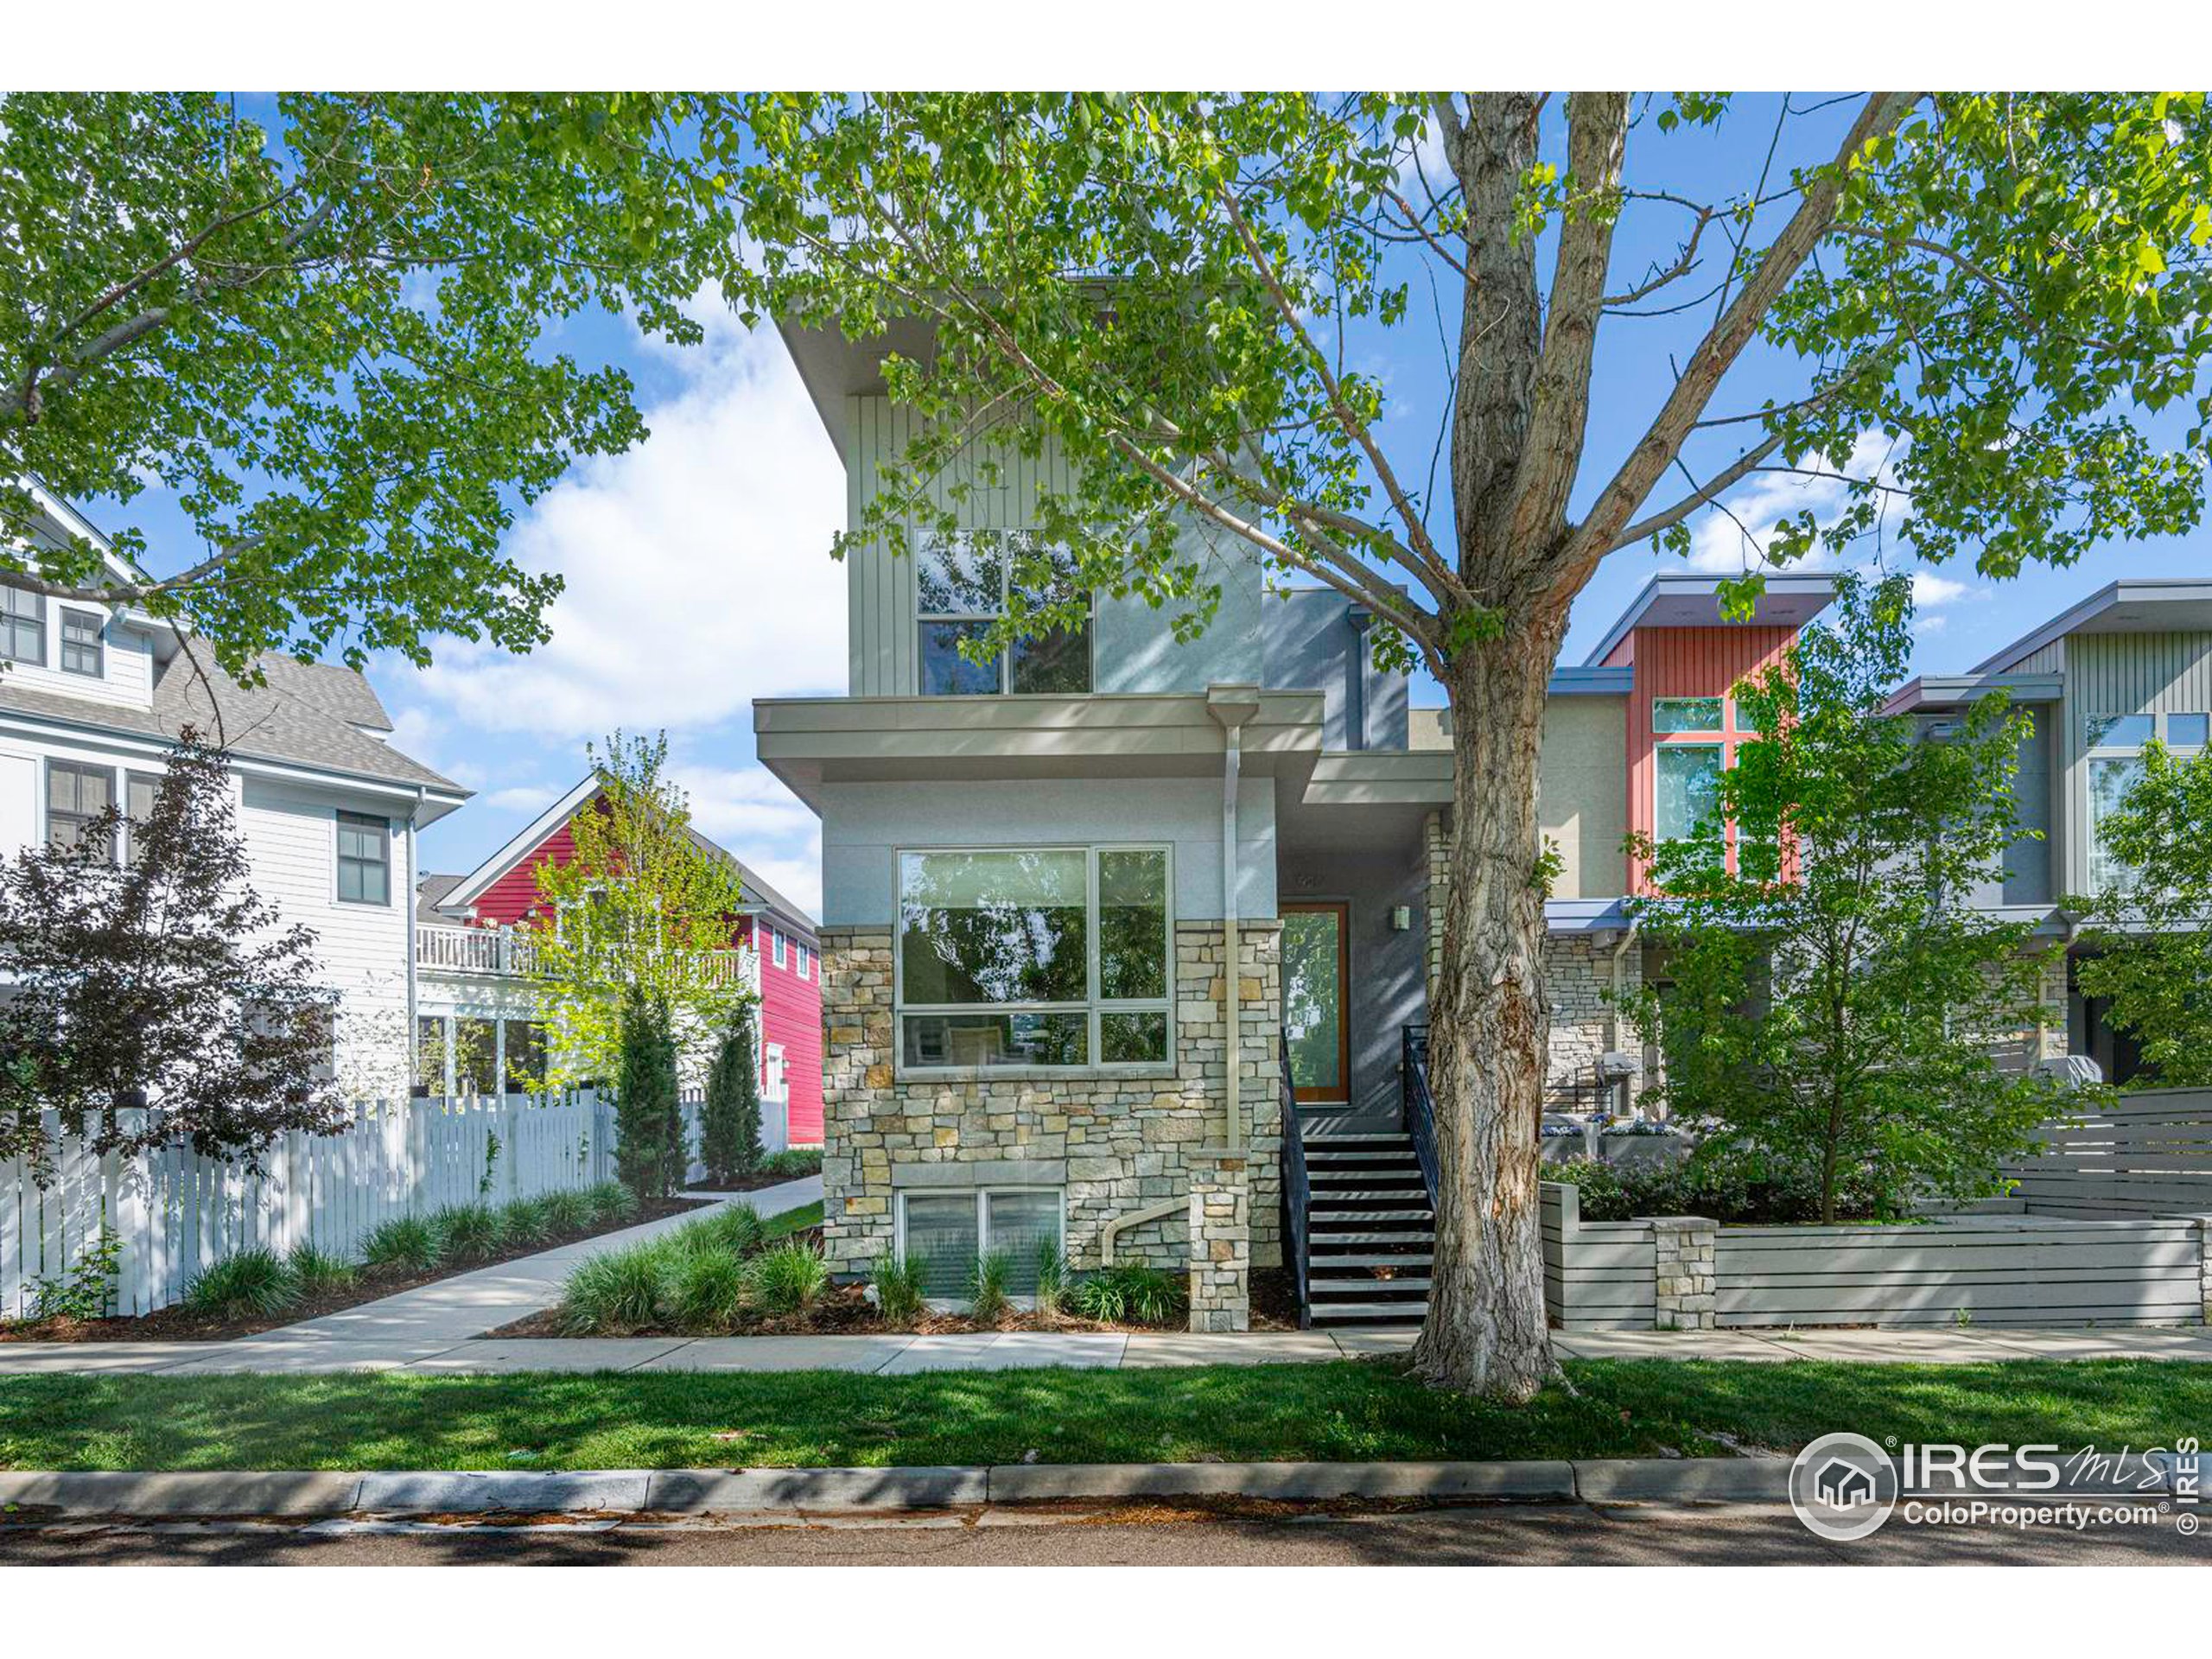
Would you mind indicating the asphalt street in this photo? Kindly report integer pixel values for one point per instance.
(1531, 1534)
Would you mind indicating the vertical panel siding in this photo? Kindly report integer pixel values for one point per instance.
(880, 589)
(1682, 663)
(2120, 674)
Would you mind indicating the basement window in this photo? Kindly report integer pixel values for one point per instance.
(947, 1233)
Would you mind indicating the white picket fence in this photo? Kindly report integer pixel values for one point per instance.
(174, 1213)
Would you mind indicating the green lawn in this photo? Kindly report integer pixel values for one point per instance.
(787, 1221)
(1341, 1411)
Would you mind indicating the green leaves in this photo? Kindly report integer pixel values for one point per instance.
(1831, 998)
(331, 338)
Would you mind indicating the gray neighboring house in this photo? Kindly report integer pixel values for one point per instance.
(1076, 901)
(93, 696)
(2099, 680)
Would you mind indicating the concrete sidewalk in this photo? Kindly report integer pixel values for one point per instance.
(394, 1331)
(289, 1350)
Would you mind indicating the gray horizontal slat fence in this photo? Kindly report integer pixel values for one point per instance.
(174, 1213)
(1598, 1274)
(2024, 1270)
(2146, 1153)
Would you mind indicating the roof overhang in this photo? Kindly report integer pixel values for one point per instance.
(833, 368)
(474, 885)
(808, 743)
(2140, 606)
(1933, 692)
(1685, 601)
(433, 802)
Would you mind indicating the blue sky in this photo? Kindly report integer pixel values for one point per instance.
(699, 576)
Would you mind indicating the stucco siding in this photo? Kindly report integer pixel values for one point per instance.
(1582, 794)
(1311, 645)
(864, 824)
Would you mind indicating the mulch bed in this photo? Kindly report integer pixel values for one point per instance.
(178, 1324)
(749, 1184)
(845, 1311)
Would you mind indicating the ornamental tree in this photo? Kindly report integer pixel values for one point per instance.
(1830, 1000)
(1187, 295)
(645, 906)
(146, 971)
(326, 330)
(2151, 928)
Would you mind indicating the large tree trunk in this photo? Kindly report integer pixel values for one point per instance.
(1489, 1029)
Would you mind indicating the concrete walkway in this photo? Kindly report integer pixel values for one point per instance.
(394, 1331)
(310, 1347)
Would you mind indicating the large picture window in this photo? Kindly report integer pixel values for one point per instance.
(1048, 956)
(963, 584)
(1688, 801)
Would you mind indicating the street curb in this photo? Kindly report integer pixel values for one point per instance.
(733, 1491)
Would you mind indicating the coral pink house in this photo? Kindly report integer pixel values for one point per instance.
(786, 963)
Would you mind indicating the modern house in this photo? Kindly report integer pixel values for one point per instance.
(479, 1030)
(2132, 662)
(1076, 900)
(93, 696)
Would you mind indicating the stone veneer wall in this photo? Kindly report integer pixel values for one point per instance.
(1577, 974)
(1118, 1144)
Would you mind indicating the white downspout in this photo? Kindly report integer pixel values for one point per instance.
(414, 1059)
(1231, 705)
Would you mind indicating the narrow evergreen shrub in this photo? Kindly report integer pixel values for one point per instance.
(649, 1154)
(729, 1118)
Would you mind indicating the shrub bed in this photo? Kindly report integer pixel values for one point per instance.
(1730, 1186)
(257, 1290)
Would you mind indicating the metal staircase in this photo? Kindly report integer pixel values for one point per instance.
(1360, 1212)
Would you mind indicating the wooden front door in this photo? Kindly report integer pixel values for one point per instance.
(1316, 1006)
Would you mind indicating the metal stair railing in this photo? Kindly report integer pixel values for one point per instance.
(1297, 1195)
(1421, 1110)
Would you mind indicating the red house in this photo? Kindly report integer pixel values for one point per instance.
(787, 965)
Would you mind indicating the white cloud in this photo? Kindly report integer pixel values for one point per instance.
(737, 805)
(697, 564)
(1736, 540)
(799, 880)
(1930, 591)
(529, 798)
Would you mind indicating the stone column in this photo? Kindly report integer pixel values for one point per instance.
(1685, 1249)
(2204, 1267)
(1221, 1246)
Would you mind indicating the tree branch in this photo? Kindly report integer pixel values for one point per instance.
(1724, 343)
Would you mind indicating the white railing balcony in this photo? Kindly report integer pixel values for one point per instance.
(493, 950)
(506, 952)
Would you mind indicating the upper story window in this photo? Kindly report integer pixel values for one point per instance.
(1692, 748)
(139, 789)
(776, 937)
(2115, 744)
(82, 652)
(1050, 956)
(965, 584)
(22, 627)
(75, 795)
(364, 859)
